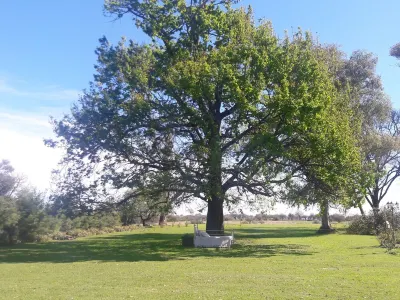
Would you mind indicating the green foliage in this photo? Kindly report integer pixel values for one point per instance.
(363, 225)
(34, 221)
(9, 217)
(388, 239)
(144, 208)
(382, 157)
(8, 180)
(23, 218)
(97, 221)
(385, 224)
(337, 218)
(240, 109)
(378, 138)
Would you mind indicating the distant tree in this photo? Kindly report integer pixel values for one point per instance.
(314, 192)
(395, 51)
(311, 217)
(146, 206)
(338, 218)
(299, 214)
(382, 159)
(379, 138)
(373, 107)
(282, 217)
(78, 193)
(356, 78)
(9, 182)
(9, 217)
(34, 220)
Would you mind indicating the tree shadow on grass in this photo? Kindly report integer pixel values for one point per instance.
(288, 232)
(146, 246)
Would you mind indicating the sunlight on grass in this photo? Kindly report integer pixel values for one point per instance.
(268, 262)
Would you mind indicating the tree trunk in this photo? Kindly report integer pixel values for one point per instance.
(215, 216)
(161, 221)
(361, 209)
(144, 222)
(325, 224)
(375, 210)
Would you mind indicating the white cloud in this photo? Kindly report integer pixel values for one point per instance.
(24, 123)
(21, 136)
(25, 119)
(45, 93)
(29, 156)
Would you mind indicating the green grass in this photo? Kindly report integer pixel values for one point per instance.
(285, 261)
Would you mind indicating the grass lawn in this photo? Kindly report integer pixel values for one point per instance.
(287, 261)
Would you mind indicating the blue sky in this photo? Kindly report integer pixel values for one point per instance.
(47, 57)
(47, 52)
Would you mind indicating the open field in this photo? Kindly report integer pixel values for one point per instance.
(274, 261)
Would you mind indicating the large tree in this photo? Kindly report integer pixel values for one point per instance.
(382, 159)
(379, 139)
(245, 110)
(356, 77)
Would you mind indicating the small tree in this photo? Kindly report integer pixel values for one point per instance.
(395, 51)
(382, 159)
(9, 182)
(147, 206)
(378, 137)
(9, 217)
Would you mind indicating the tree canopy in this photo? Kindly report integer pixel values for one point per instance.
(243, 110)
(395, 51)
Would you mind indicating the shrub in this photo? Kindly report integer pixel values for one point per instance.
(36, 225)
(387, 238)
(120, 228)
(78, 233)
(337, 218)
(363, 225)
(249, 220)
(44, 238)
(66, 225)
(375, 223)
(60, 236)
(187, 240)
(172, 218)
(197, 221)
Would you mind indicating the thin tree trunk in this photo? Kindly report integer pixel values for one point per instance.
(375, 210)
(161, 221)
(361, 209)
(325, 224)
